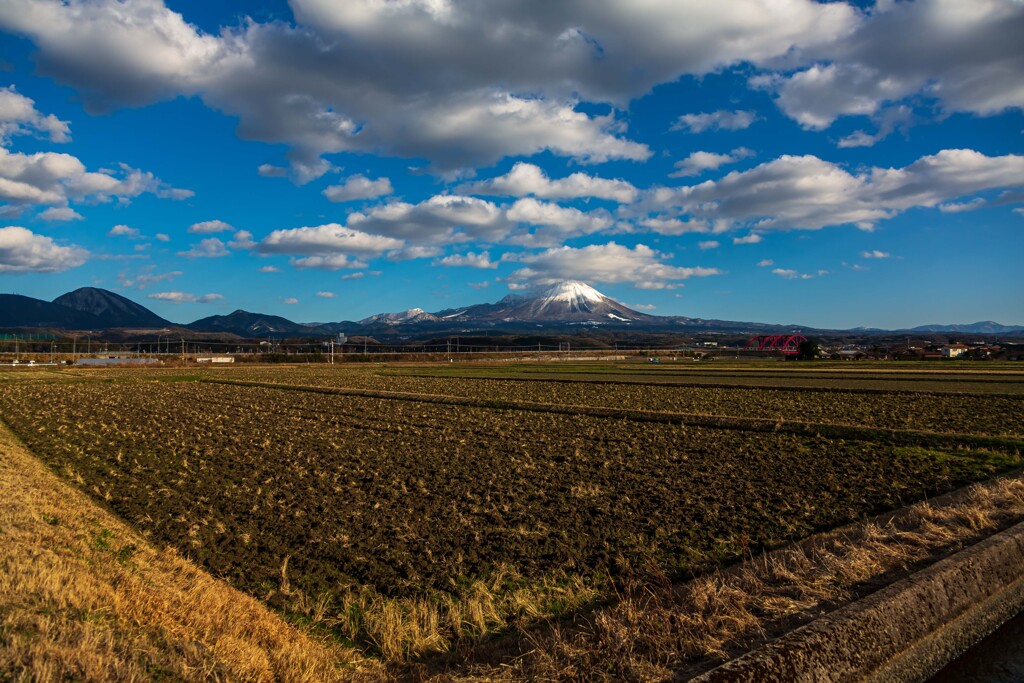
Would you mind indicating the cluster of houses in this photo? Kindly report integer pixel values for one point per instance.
(929, 350)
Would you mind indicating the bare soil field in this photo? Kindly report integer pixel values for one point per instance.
(410, 528)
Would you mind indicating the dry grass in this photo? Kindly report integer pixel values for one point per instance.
(656, 630)
(83, 597)
(407, 628)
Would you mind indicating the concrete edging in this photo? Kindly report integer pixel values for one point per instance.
(905, 632)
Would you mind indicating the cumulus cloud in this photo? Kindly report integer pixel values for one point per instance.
(716, 120)
(765, 263)
(960, 207)
(331, 262)
(699, 162)
(209, 227)
(175, 297)
(50, 178)
(964, 55)
(642, 266)
(60, 213)
(290, 301)
(552, 224)
(23, 251)
(806, 192)
(124, 231)
(326, 295)
(270, 269)
(162, 237)
(752, 238)
(242, 240)
(790, 274)
(469, 260)
(19, 116)
(875, 253)
(146, 277)
(440, 219)
(417, 79)
(708, 244)
(207, 248)
(326, 246)
(271, 171)
(358, 187)
(528, 179)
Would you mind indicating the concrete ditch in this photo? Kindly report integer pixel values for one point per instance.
(905, 632)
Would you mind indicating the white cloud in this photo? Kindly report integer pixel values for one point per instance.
(875, 253)
(964, 55)
(417, 79)
(527, 179)
(270, 269)
(805, 192)
(673, 226)
(790, 274)
(146, 277)
(1019, 212)
(331, 262)
(469, 259)
(358, 187)
(479, 285)
(960, 207)
(242, 240)
(326, 245)
(271, 171)
(23, 251)
(210, 247)
(19, 116)
(752, 238)
(60, 213)
(553, 223)
(175, 297)
(698, 162)
(716, 120)
(209, 227)
(441, 219)
(644, 307)
(642, 266)
(326, 295)
(708, 244)
(50, 178)
(290, 301)
(124, 231)
(765, 262)
(414, 252)
(161, 237)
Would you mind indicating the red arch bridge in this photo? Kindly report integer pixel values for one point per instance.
(786, 343)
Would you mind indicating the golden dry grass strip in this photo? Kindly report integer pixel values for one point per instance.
(659, 631)
(83, 597)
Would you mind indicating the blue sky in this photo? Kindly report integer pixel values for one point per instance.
(829, 164)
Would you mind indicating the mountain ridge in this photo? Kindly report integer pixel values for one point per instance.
(566, 305)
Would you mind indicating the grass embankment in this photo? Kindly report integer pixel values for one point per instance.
(84, 597)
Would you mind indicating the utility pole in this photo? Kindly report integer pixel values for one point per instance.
(182, 348)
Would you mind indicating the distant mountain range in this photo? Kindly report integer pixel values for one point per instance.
(562, 307)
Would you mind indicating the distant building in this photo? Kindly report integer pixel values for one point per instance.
(215, 359)
(953, 350)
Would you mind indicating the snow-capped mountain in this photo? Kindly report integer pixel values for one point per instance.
(571, 301)
(413, 315)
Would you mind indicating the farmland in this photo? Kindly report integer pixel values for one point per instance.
(406, 525)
